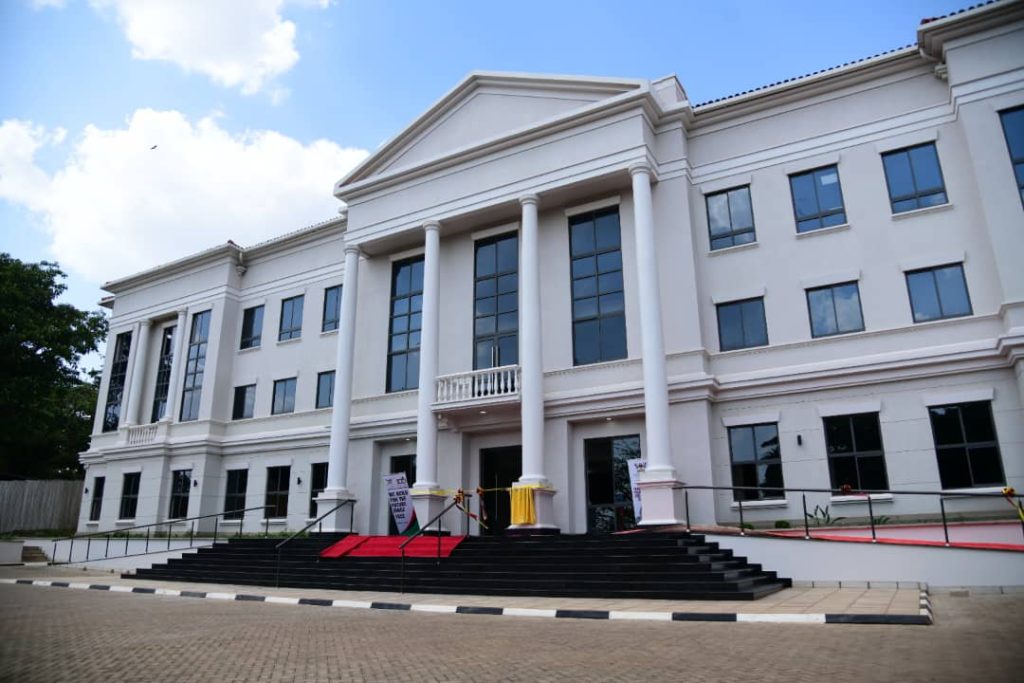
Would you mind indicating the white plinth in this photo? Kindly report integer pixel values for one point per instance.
(662, 503)
(544, 507)
(339, 520)
(428, 504)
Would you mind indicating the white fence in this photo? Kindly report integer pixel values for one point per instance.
(489, 383)
(37, 505)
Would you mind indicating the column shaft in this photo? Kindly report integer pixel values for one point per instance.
(426, 423)
(531, 389)
(337, 458)
(133, 408)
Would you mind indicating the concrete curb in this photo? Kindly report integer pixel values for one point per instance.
(923, 618)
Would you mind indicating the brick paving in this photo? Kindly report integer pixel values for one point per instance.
(58, 634)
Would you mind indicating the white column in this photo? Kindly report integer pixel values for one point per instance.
(531, 390)
(660, 501)
(133, 408)
(173, 400)
(426, 500)
(337, 455)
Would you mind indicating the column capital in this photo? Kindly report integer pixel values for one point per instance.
(642, 166)
(353, 249)
(432, 225)
(145, 323)
(529, 199)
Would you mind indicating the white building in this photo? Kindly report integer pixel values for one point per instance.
(826, 274)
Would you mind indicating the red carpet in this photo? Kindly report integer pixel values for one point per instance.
(388, 546)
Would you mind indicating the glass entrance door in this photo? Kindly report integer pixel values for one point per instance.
(499, 468)
(609, 494)
(496, 302)
(399, 464)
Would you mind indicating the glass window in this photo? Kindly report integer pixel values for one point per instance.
(234, 494)
(730, 218)
(276, 498)
(966, 445)
(195, 365)
(318, 474)
(914, 178)
(129, 495)
(855, 455)
(609, 493)
(291, 318)
(835, 309)
(181, 484)
(1013, 128)
(496, 302)
(96, 505)
(406, 322)
(741, 324)
(937, 293)
(756, 461)
(325, 389)
(245, 402)
(817, 199)
(163, 374)
(332, 308)
(284, 396)
(115, 386)
(598, 300)
(252, 327)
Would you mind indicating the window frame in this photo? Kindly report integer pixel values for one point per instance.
(317, 484)
(165, 364)
(181, 487)
(293, 330)
(284, 384)
(1018, 178)
(821, 215)
(277, 493)
(115, 382)
(253, 318)
(740, 302)
(835, 311)
(96, 504)
(195, 367)
(855, 453)
(733, 232)
(932, 269)
(332, 323)
(129, 498)
(320, 399)
(240, 491)
(246, 403)
(759, 495)
(918, 194)
(966, 445)
(409, 350)
(603, 355)
(496, 277)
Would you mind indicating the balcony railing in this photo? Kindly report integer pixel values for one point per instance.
(478, 385)
(141, 435)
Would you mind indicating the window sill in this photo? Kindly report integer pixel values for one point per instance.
(282, 342)
(760, 504)
(125, 522)
(275, 520)
(823, 231)
(966, 493)
(90, 523)
(875, 498)
(325, 333)
(230, 522)
(250, 349)
(729, 250)
(918, 212)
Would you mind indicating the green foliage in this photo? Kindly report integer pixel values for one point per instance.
(46, 406)
(822, 517)
(882, 519)
(782, 524)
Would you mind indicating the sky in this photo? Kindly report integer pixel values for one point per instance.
(134, 132)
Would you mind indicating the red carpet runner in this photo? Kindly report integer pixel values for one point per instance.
(387, 546)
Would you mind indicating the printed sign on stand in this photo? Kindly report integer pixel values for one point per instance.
(636, 465)
(399, 500)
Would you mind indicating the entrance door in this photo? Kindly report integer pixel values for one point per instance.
(499, 468)
(399, 464)
(609, 494)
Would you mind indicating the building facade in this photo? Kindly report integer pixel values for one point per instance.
(816, 284)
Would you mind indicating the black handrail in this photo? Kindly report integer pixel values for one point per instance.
(318, 520)
(423, 529)
(867, 493)
(167, 523)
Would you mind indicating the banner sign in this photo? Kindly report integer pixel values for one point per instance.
(636, 465)
(399, 500)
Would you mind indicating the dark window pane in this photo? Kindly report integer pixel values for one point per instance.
(830, 197)
(954, 472)
(606, 228)
(924, 298)
(508, 302)
(766, 440)
(946, 425)
(585, 287)
(486, 260)
(508, 350)
(838, 435)
(582, 237)
(586, 342)
(837, 218)
(483, 354)
(848, 312)
(611, 303)
(977, 421)
(741, 443)
(804, 198)
(332, 308)
(740, 210)
(730, 327)
(613, 337)
(610, 260)
(508, 283)
(1013, 127)
(952, 291)
(325, 389)
(866, 432)
(609, 282)
(925, 162)
(755, 330)
(986, 466)
(584, 267)
(718, 215)
(823, 315)
(898, 174)
(508, 255)
(843, 472)
(584, 308)
(485, 326)
(508, 322)
(872, 473)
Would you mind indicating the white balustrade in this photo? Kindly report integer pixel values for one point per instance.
(138, 436)
(478, 385)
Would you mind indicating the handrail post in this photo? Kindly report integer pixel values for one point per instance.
(216, 521)
(277, 570)
(192, 533)
(1020, 515)
(168, 534)
(807, 527)
(743, 531)
(266, 524)
(871, 518)
(71, 548)
(686, 508)
(106, 550)
(351, 515)
(945, 527)
(147, 539)
(126, 537)
(54, 553)
(88, 547)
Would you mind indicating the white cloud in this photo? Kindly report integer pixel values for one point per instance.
(116, 206)
(236, 44)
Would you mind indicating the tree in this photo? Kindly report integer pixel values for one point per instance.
(46, 405)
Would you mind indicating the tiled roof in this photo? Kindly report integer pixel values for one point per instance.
(928, 20)
(292, 233)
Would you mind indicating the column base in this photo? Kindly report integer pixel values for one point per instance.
(661, 503)
(341, 520)
(544, 510)
(428, 503)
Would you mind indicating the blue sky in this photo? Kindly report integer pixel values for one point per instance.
(257, 106)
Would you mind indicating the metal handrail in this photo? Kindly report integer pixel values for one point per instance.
(318, 520)
(167, 523)
(867, 493)
(422, 530)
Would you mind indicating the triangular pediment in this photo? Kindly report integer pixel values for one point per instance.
(487, 106)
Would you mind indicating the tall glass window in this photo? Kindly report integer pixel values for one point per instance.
(914, 178)
(730, 218)
(496, 302)
(195, 366)
(855, 454)
(609, 493)
(276, 499)
(325, 389)
(966, 445)
(115, 386)
(318, 474)
(598, 301)
(332, 308)
(129, 495)
(291, 318)
(244, 403)
(817, 199)
(284, 396)
(741, 324)
(252, 328)
(163, 374)
(96, 505)
(937, 293)
(1013, 127)
(234, 494)
(406, 322)
(181, 484)
(756, 461)
(835, 309)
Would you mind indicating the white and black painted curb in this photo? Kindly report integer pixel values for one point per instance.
(923, 618)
